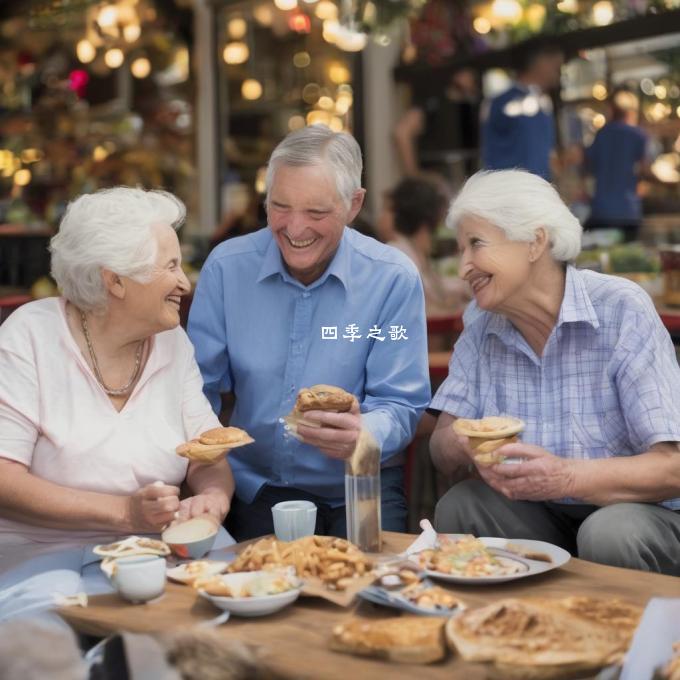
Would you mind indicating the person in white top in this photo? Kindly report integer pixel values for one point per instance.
(97, 388)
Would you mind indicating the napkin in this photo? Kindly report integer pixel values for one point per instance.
(653, 640)
(426, 540)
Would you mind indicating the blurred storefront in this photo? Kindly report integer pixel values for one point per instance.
(192, 95)
(91, 95)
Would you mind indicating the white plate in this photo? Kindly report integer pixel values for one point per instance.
(251, 606)
(181, 575)
(531, 567)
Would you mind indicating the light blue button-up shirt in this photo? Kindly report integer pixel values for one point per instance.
(607, 384)
(263, 335)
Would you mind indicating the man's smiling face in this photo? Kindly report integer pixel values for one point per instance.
(307, 217)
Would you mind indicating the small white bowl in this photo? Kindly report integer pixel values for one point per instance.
(192, 538)
(251, 606)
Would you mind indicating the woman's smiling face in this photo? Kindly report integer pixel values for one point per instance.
(495, 267)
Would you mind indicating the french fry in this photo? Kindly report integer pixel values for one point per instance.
(334, 561)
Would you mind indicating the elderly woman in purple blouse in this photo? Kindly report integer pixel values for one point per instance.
(584, 360)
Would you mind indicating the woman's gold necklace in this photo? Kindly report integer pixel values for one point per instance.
(121, 391)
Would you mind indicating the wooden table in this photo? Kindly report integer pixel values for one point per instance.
(296, 639)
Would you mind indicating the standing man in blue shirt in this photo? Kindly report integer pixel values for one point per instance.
(308, 300)
(618, 156)
(518, 126)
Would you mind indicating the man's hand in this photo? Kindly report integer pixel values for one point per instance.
(337, 433)
(210, 502)
(539, 476)
(152, 507)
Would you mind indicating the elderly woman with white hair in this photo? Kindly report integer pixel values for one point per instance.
(584, 360)
(97, 388)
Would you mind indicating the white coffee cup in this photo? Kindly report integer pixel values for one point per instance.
(139, 578)
(294, 519)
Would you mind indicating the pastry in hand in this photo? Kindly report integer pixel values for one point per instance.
(319, 398)
(486, 435)
(213, 444)
(323, 398)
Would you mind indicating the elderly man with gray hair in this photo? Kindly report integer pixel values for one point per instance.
(308, 300)
(584, 360)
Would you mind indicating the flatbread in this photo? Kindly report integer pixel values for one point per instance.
(485, 449)
(407, 639)
(132, 545)
(543, 638)
(212, 445)
(491, 427)
(229, 436)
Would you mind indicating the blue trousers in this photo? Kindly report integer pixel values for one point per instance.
(250, 520)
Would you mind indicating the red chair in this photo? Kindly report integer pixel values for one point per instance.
(9, 303)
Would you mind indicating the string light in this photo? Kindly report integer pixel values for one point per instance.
(251, 89)
(236, 53)
(286, 5)
(599, 91)
(338, 73)
(140, 67)
(114, 57)
(507, 10)
(301, 59)
(108, 16)
(295, 123)
(85, 51)
(326, 10)
(131, 32)
(603, 13)
(22, 177)
(237, 28)
(263, 15)
(482, 25)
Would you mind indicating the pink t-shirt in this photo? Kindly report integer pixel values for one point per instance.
(56, 418)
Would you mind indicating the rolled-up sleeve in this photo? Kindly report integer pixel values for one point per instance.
(459, 394)
(397, 388)
(647, 377)
(19, 406)
(208, 333)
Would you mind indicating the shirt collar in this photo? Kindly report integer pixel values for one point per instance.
(576, 305)
(339, 266)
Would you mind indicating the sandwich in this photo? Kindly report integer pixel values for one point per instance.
(487, 435)
(213, 444)
(407, 639)
(318, 398)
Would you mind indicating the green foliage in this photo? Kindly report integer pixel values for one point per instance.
(630, 258)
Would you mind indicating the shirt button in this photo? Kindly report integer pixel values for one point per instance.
(306, 294)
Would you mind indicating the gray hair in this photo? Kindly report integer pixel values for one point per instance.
(519, 203)
(110, 229)
(319, 145)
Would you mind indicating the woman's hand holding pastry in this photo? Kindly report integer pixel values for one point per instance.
(539, 476)
(336, 434)
(152, 507)
(210, 502)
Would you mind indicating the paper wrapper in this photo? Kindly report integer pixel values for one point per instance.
(653, 642)
(426, 541)
(365, 461)
(314, 587)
